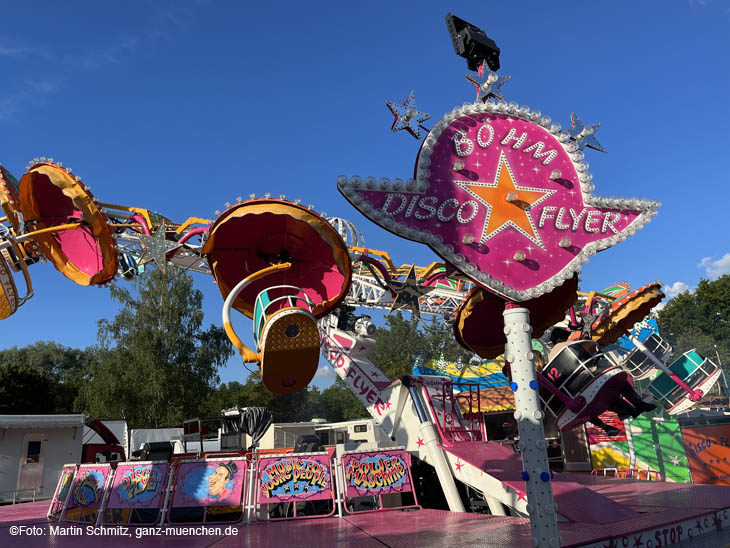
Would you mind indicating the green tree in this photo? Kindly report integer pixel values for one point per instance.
(23, 390)
(301, 406)
(156, 366)
(699, 320)
(337, 403)
(53, 371)
(401, 340)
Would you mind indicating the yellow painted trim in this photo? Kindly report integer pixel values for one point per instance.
(248, 355)
(144, 212)
(382, 254)
(431, 269)
(52, 229)
(593, 294)
(192, 221)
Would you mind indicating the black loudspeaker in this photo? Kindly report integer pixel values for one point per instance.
(157, 450)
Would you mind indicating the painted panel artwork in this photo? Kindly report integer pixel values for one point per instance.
(651, 441)
(210, 483)
(376, 473)
(88, 489)
(708, 453)
(294, 477)
(63, 489)
(138, 486)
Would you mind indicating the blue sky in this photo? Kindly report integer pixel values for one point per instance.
(181, 106)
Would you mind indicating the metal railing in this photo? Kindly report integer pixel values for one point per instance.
(630, 473)
(16, 497)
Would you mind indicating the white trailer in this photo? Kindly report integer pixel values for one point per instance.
(33, 450)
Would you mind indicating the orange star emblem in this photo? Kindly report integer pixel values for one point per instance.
(508, 203)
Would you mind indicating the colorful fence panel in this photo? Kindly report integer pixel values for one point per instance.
(209, 490)
(137, 493)
(62, 490)
(708, 452)
(87, 493)
(650, 442)
(285, 481)
(657, 445)
(374, 474)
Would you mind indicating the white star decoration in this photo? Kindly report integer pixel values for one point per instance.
(584, 135)
(488, 85)
(156, 248)
(674, 459)
(407, 116)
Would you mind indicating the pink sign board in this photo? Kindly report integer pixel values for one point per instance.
(210, 483)
(62, 490)
(505, 197)
(294, 477)
(88, 487)
(376, 473)
(138, 485)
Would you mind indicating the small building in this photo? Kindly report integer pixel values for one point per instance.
(33, 450)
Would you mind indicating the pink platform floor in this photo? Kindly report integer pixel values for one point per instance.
(656, 509)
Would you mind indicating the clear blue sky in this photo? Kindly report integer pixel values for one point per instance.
(180, 106)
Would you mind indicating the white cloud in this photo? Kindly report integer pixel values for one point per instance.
(31, 92)
(325, 375)
(717, 268)
(675, 289)
(672, 291)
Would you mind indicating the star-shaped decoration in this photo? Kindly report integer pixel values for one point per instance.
(407, 116)
(698, 525)
(584, 135)
(488, 85)
(387, 405)
(674, 459)
(407, 293)
(638, 542)
(156, 248)
(521, 496)
(717, 521)
(508, 204)
(459, 465)
(420, 442)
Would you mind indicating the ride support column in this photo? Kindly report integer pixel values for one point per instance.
(533, 448)
(438, 460)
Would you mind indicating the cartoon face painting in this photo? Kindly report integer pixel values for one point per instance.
(218, 479)
(210, 484)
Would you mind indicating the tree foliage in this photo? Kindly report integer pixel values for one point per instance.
(156, 365)
(699, 320)
(335, 403)
(43, 377)
(402, 340)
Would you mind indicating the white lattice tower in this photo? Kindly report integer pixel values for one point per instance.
(349, 232)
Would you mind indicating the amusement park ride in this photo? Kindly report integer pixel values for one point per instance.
(502, 194)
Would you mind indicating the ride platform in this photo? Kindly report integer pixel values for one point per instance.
(659, 514)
